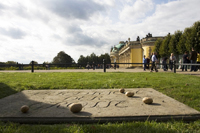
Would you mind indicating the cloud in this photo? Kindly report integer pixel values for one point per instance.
(14, 33)
(25, 10)
(1, 6)
(73, 28)
(80, 27)
(80, 39)
(105, 2)
(21, 10)
(73, 9)
(137, 11)
(172, 16)
(75, 36)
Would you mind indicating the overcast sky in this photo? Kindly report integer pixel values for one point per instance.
(39, 29)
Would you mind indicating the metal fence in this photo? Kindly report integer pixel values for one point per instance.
(87, 65)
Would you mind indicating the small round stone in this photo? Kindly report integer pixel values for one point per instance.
(75, 107)
(24, 109)
(147, 100)
(122, 90)
(129, 94)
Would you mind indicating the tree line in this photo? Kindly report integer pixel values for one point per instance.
(64, 58)
(179, 42)
(94, 58)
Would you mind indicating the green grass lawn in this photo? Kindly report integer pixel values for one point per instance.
(171, 84)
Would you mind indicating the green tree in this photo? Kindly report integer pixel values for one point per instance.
(189, 39)
(105, 56)
(35, 62)
(164, 48)
(196, 35)
(181, 47)
(11, 62)
(157, 47)
(62, 58)
(94, 58)
(46, 62)
(82, 60)
(88, 59)
(173, 44)
(2, 63)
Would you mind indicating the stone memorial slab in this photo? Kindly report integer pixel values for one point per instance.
(99, 105)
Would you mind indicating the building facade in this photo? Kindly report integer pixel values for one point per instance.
(133, 51)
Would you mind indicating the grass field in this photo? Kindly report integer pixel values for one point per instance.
(184, 88)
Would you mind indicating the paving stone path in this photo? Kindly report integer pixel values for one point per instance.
(178, 71)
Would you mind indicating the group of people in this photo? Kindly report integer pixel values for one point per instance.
(153, 59)
(193, 59)
(93, 66)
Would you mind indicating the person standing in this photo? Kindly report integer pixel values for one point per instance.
(93, 65)
(172, 58)
(198, 60)
(148, 61)
(115, 65)
(151, 58)
(157, 66)
(165, 68)
(88, 66)
(185, 60)
(144, 62)
(193, 59)
(154, 60)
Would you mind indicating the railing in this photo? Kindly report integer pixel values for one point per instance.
(33, 66)
(103, 65)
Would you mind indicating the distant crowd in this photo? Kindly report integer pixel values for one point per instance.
(100, 66)
(193, 58)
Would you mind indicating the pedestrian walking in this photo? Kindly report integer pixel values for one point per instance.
(193, 59)
(185, 60)
(172, 59)
(154, 60)
(144, 62)
(164, 62)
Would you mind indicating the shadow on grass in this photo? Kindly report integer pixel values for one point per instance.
(6, 90)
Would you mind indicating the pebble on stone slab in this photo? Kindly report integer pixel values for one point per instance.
(24, 109)
(75, 107)
(147, 100)
(122, 90)
(129, 94)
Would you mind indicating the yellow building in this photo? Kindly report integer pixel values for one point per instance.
(133, 51)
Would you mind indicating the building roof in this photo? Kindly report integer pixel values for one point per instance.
(118, 47)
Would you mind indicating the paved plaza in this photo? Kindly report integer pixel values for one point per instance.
(178, 71)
